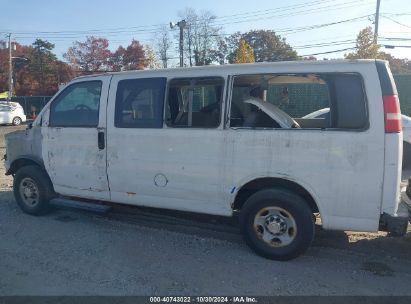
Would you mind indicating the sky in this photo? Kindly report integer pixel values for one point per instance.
(62, 22)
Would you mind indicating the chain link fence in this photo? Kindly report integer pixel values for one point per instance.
(403, 83)
(32, 105)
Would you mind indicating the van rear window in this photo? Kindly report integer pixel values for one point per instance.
(310, 101)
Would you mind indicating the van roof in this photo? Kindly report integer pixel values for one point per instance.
(238, 66)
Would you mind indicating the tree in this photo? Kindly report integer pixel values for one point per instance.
(41, 74)
(41, 60)
(366, 48)
(151, 60)
(399, 66)
(231, 44)
(18, 70)
(244, 53)
(90, 56)
(220, 53)
(268, 46)
(134, 57)
(200, 36)
(116, 62)
(163, 45)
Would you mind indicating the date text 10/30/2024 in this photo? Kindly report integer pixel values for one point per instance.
(203, 300)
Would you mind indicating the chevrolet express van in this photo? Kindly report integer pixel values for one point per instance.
(226, 139)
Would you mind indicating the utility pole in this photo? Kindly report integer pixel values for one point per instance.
(10, 70)
(181, 24)
(377, 18)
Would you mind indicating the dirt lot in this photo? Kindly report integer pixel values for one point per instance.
(133, 251)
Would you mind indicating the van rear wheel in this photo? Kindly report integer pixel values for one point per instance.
(33, 190)
(277, 224)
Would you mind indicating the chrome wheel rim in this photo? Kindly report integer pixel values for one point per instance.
(275, 226)
(29, 192)
(16, 121)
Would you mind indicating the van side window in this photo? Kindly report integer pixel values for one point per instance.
(139, 103)
(310, 101)
(194, 102)
(349, 110)
(77, 106)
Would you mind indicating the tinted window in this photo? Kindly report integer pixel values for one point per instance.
(348, 110)
(77, 106)
(139, 103)
(194, 102)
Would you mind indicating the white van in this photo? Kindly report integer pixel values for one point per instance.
(225, 139)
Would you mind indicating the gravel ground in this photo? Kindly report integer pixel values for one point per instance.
(137, 251)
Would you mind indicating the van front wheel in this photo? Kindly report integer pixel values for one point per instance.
(32, 190)
(277, 224)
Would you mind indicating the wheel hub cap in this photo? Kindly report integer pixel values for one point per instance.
(29, 192)
(275, 225)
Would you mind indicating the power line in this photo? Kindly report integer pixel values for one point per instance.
(395, 38)
(329, 52)
(303, 12)
(143, 30)
(290, 30)
(156, 26)
(396, 21)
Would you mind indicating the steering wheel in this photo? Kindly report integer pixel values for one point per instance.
(82, 107)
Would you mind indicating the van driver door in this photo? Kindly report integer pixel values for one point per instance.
(74, 149)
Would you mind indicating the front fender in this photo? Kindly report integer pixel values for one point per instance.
(24, 160)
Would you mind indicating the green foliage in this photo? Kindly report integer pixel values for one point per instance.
(41, 62)
(267, 46)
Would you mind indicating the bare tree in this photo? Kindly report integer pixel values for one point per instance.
(163, 45)
(201, 37)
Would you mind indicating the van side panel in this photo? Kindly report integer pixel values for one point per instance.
(342, 169)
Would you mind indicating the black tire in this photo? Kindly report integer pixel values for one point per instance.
(295, 209)
(33, 175)
(406, 155)
(16, 121)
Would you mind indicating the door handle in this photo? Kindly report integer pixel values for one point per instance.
(101, 140)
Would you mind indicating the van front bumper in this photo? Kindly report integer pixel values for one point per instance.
(397, 225)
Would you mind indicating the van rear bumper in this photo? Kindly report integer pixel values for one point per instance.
(397, 224)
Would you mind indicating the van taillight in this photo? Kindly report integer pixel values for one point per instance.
(392, 114)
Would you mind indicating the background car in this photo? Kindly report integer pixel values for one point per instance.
(406, 130)
(11, 113)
